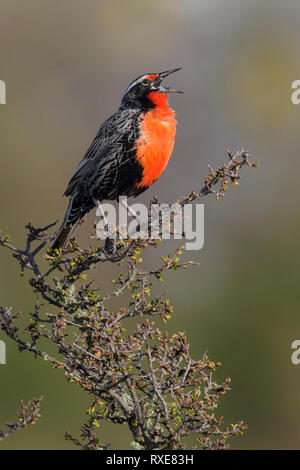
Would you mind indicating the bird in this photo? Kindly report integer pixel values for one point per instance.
(129, 153)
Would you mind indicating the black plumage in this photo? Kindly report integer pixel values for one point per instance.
(110, 168)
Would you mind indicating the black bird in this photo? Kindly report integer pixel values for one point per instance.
(129, 152)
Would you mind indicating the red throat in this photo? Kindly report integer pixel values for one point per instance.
(159, 99)
(155, 144)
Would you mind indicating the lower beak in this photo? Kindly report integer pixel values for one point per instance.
(164, 89)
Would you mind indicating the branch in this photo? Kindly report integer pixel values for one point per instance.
(136, 374)
(29, 413)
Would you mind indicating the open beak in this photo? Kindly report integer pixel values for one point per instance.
(162, 75)
(168, 72)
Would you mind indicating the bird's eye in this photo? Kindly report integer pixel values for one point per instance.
(145, 82)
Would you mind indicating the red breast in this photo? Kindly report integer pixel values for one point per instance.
(155, 144)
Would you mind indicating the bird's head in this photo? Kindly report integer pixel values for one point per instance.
(148, 91)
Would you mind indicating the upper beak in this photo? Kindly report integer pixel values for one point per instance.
(168, 72)
(162, 75)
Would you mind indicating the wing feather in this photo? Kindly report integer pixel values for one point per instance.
(101, 163)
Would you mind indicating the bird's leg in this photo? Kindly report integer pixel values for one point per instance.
(131, 212)
(129, 209)
(101, 213)
(110, 243)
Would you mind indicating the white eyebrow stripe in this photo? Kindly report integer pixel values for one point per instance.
(138, 80)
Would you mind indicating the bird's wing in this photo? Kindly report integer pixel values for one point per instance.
(101, 159)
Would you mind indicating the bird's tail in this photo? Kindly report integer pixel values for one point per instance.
(69, 224)
(77, 209)
(61, 237)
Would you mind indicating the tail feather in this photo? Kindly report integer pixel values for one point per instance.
(77, 209)
(67, 226)
(61, 237)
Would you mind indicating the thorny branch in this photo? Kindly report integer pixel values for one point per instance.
(28, 414)
(145, 379)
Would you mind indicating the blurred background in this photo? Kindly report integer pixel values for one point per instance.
(66, 64)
